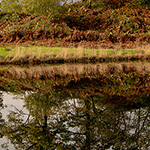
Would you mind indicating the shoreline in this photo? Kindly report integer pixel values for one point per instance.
(29, 54)
(83, 60)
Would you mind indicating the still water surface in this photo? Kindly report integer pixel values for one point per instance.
(42, 121)
(58, 120)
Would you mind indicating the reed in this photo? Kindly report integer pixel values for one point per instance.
(75, 70)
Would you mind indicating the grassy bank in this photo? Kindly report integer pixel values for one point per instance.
(42, 54)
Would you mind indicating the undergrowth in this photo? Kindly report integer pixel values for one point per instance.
(124, 23)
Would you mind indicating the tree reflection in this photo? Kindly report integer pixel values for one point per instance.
(34, 130)
(1, 107)
(102, 127)
(63, 123)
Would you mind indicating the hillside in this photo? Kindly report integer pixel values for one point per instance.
(125, 26)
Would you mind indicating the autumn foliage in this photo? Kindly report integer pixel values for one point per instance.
(124, 23)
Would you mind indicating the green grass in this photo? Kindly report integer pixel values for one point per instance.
(4, 51)
(12, 51)
(3, 69)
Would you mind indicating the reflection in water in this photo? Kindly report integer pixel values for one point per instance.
(1, 107)
(63, 70)
(84, 124)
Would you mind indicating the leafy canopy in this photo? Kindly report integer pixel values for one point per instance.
(30, 6)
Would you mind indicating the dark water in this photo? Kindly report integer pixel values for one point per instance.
(42, 121)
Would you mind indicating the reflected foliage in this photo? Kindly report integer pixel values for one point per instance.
(77, 123)
(35, 129)
(1, 107)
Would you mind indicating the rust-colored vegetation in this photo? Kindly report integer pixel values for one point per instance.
(122, 23)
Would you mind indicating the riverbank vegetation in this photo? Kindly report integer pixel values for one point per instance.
(101, 31)
(89, 24)
(58, 55)
(128, 86)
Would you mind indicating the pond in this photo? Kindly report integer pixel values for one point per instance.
(40, 121)
(85, 113)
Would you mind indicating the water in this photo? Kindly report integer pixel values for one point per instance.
(9, 103)
(89, 107)
(43, 121)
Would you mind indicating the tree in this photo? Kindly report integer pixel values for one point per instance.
(11, 5)
(44, 7)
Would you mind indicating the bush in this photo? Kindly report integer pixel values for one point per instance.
(119, 3)
(143, 2)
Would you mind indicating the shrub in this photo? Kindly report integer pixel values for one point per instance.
(143, 2)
